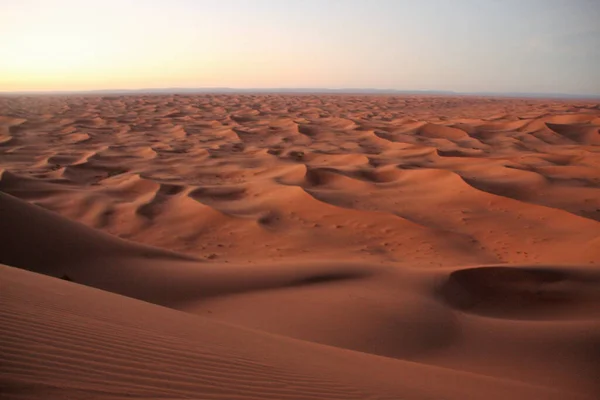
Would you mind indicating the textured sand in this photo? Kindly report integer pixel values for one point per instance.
(299, 247)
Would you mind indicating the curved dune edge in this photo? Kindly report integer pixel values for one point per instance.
(64, 340)
(525, 292)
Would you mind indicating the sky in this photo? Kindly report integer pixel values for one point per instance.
(526, 46)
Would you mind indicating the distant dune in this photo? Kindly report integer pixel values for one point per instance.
(272, 246)
(355, 91)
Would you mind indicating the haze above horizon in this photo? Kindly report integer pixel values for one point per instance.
(508, 46)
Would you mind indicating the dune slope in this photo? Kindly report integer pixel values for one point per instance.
(65, 340)
(475, 320)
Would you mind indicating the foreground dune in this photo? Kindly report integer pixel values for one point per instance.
(299, 247)
(63, 340)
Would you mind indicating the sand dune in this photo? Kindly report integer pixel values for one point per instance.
(299, 247)
(63, 340)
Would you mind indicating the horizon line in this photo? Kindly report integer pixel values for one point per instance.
(292, 90)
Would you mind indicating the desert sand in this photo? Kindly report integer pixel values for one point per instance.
(299, 247)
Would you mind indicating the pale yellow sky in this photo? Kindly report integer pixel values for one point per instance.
(508, 46)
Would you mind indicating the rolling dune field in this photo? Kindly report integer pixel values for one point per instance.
(299, 247)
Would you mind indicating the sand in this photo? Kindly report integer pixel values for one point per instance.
(299, 247)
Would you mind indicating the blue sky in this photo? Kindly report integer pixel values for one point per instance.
(462, 45)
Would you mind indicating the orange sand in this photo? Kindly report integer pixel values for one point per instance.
(299, 247)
